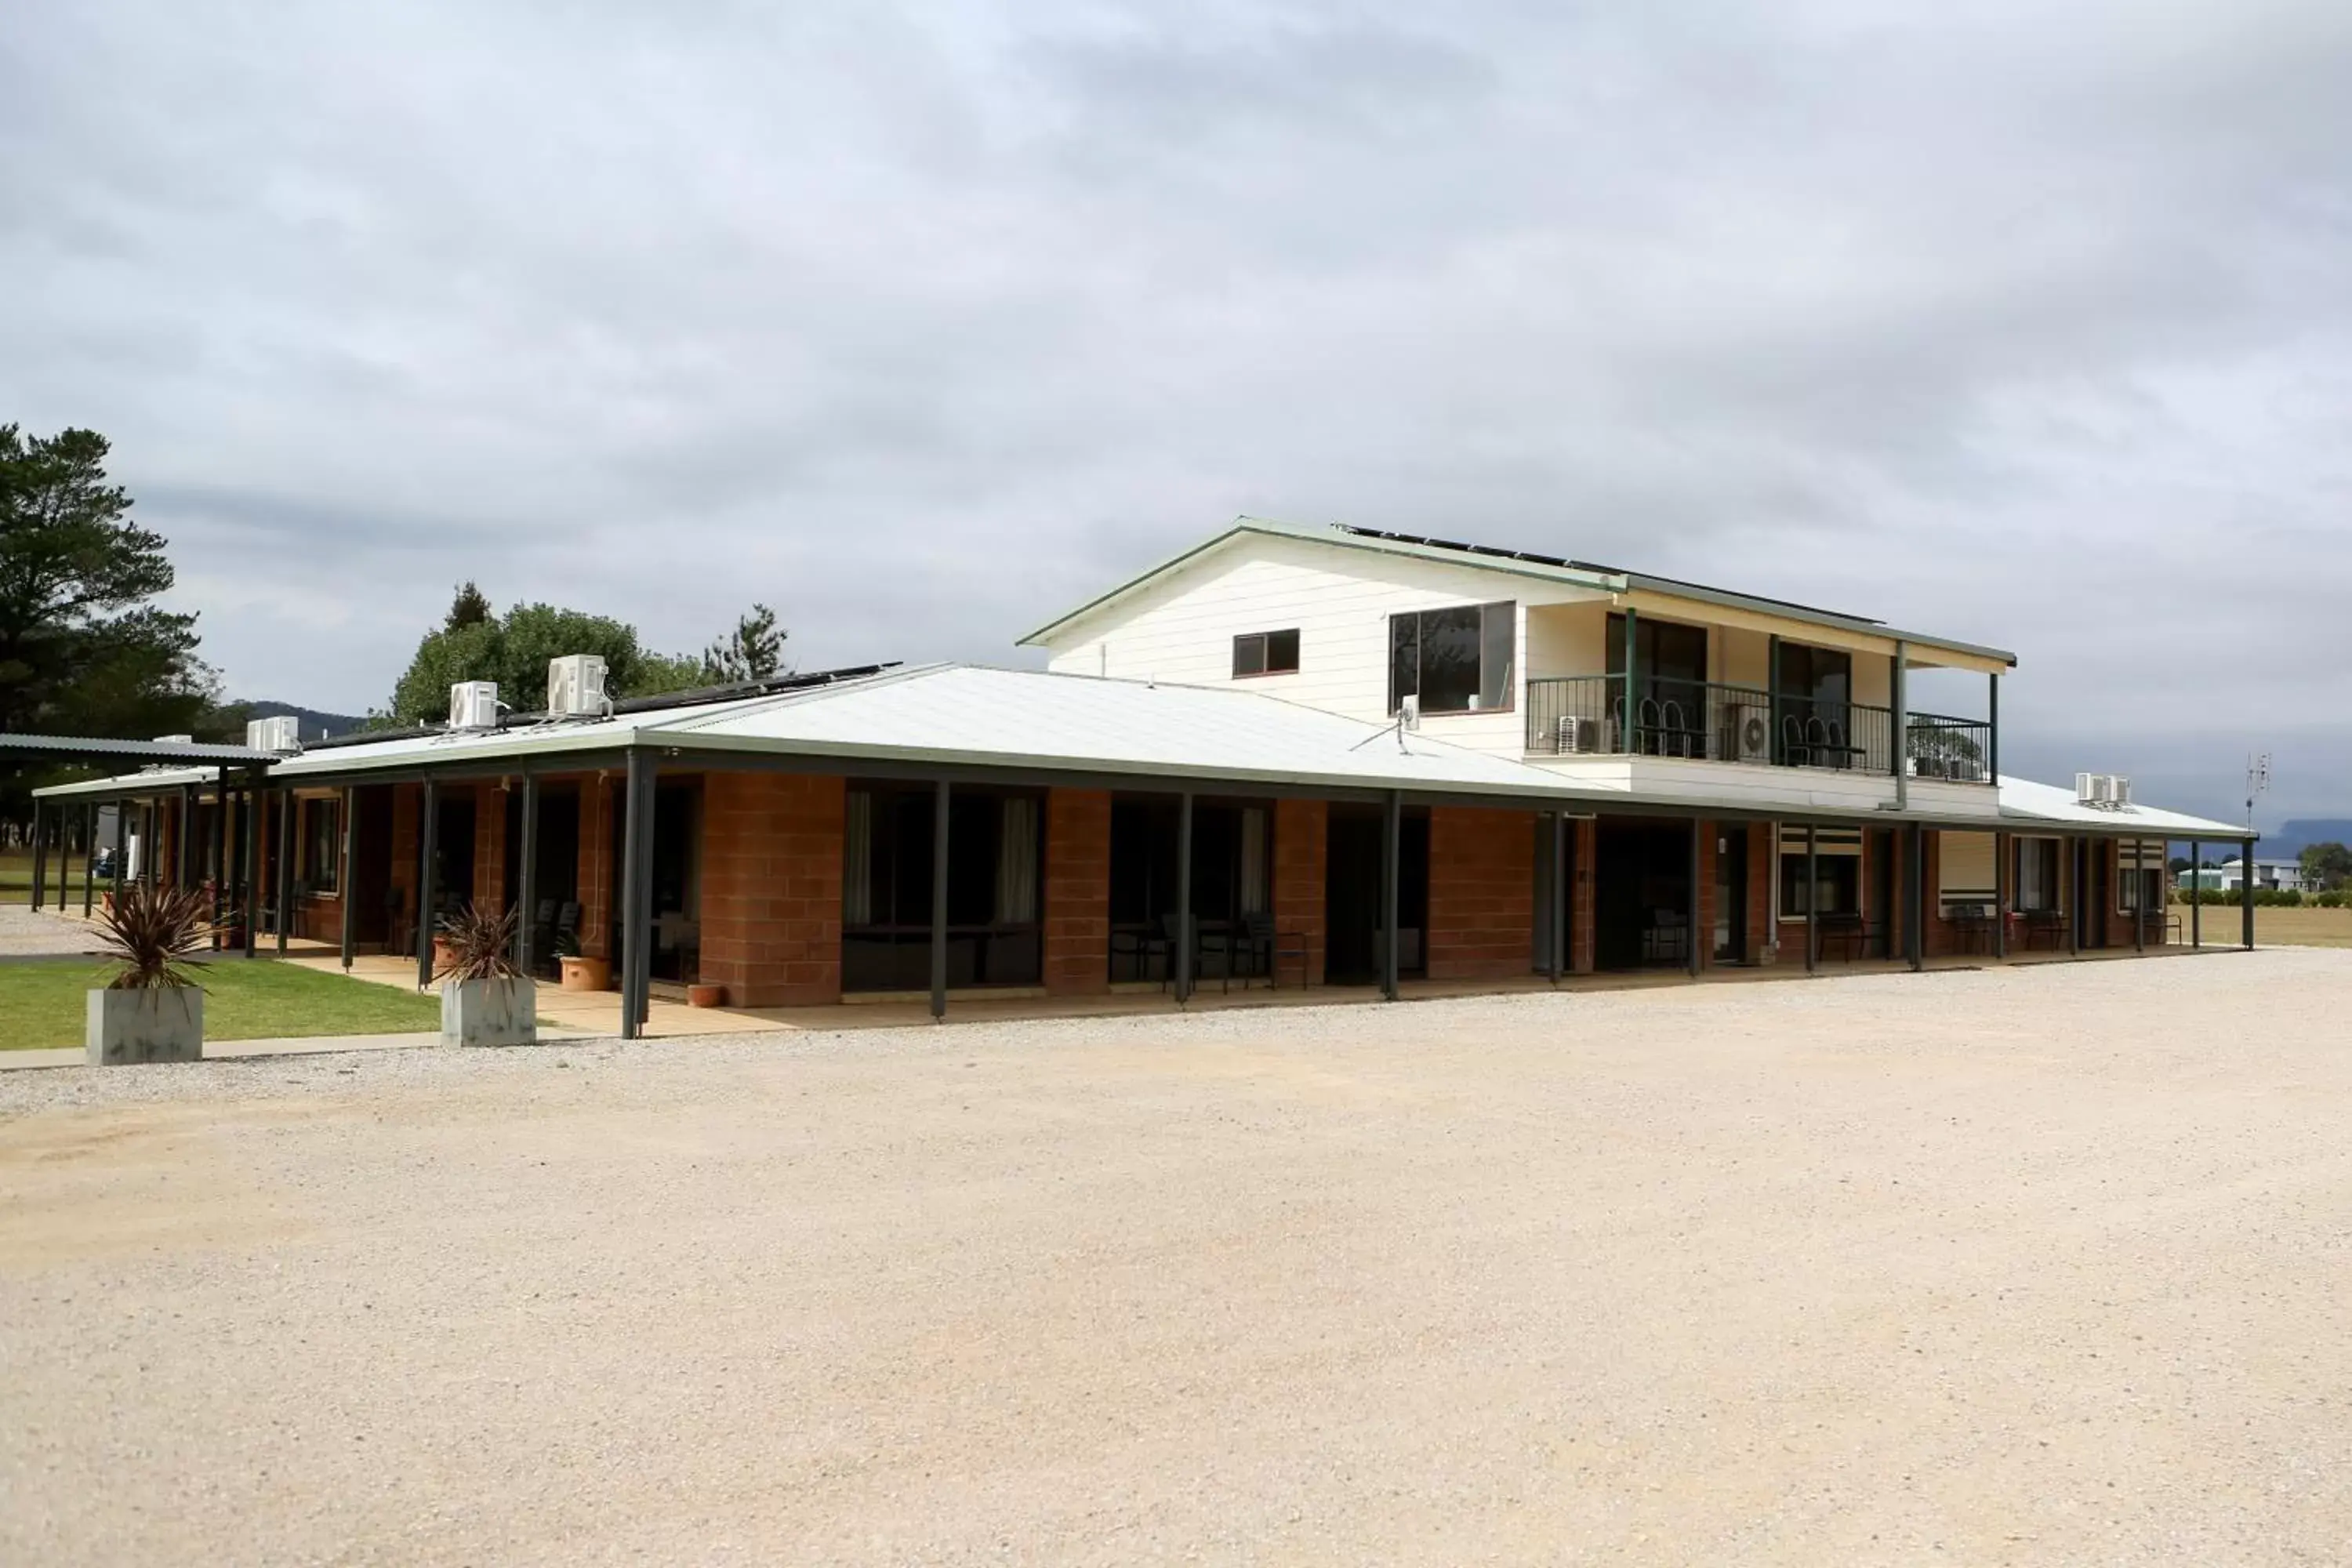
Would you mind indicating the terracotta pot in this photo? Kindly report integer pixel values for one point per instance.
(700, 995)
(584, 974)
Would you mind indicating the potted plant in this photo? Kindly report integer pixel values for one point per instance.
(580, 972)
(154, 1011)
(485, 999)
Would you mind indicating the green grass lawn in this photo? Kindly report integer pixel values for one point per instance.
(41, 1004)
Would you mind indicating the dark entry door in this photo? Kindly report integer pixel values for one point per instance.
(1642, 894)
(1351, 895)
(1731, 895)
(2102, 893)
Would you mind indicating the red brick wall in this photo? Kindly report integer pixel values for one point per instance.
(1481, 892)
(1077, 891)
(772, 866)
(595, 865)
(1581, 930)
(406, 802)
(1301, 841)
(489, 891)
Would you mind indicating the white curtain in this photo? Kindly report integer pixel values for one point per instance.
(1016, 862)
(857, 861)
(1253, 868)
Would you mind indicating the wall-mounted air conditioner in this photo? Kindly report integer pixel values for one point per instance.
(1581, 737)
(473, 705)
(575, 686)
(282, 735)
(1751, 732)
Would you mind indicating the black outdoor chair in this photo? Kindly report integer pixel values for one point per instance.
(1276, 944)
(1201, 942)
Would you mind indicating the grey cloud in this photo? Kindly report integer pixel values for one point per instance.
(922, 321)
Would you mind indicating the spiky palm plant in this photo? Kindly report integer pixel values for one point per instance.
(155, 933)
(480, 945)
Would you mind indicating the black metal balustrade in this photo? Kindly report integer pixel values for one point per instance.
(1580, 715)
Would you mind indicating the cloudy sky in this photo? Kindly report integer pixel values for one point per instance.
(920, 323)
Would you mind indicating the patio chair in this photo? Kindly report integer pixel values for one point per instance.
(1263, 936)
(1201, 942)
(1793, 750)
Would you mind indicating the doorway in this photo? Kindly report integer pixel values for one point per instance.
(1351, 893)
(1642, 894)
(1731, 895)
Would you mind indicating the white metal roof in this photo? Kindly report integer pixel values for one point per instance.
(969, 715)
(2023, 798)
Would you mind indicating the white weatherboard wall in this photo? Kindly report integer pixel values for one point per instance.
(1181, 629)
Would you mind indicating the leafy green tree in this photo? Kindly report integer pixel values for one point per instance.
(472, 608)
(83, 648)
(754, 651)
(2327, 867)
(513, 649)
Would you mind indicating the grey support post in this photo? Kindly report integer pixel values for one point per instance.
(220, 850)
(2246, 890)
(1993, 728)
(2196, 893)
(527, 874)
(347, 894)
(89, 859)
(939, 900)
(637, 896)
(2001, 854)
(1773, 747)
(428, 826)
(284, 805)
(1184, 957)
(2071, 851)
(1899, 688)
(121, 842)
(250, 845)
(40, 854)
(65, 855)
(183, 839)
(1813, 898)
(1697, 858)
(1631, 741)
(1392, 837)
(2139, 895)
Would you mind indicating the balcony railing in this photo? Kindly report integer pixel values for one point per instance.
(1711, 722)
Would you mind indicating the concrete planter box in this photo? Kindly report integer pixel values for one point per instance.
(163, 1025)
(488, 1012)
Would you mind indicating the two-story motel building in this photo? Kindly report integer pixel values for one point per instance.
(1311, 756)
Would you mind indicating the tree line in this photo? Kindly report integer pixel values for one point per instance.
(87, 649)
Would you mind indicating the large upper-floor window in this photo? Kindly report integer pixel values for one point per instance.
(1265, 653)
(1454, 661)
(1822, 677)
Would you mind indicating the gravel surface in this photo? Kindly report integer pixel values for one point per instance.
(29, 934)
(2048, 1265)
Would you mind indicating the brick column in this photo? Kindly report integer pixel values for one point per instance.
(1762, 917)
(489, 889)
(1582, 936)
(772, 869)
(1481, 891)
(595, 865)
(1301, 840)
(1077, 891)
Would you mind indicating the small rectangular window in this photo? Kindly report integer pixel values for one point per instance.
(1265, 653)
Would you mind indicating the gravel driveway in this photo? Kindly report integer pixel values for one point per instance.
(2053, 1265)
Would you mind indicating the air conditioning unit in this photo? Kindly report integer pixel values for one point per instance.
(1408, 713)
(1751, 732)
(2118, 791)
(473, 705)
(282, 735)
(575, 686)
(2094, 789)
(1581, 737)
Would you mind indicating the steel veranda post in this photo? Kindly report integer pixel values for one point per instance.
(250, 846)
(121, 842)
(1392, 855)
(940, 827)
(527, 874)
(1813, 898)
(2001, 853)
(2246, 890)
(427, 850)
(637, 893)
(1182, 955)
(1899, 675)
(40, 852)
(346, 892)
(88, 860)
(283, 809)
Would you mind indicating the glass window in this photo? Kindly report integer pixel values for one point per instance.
(1454, 661)
(995, 843)
(2037, 874)
(1265, 653)
(322, 844)
(1837, 893)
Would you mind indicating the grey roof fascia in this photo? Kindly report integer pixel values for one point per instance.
(136, 751)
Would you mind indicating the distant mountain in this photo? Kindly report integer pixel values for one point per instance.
(2293, 837)
(316, 726)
